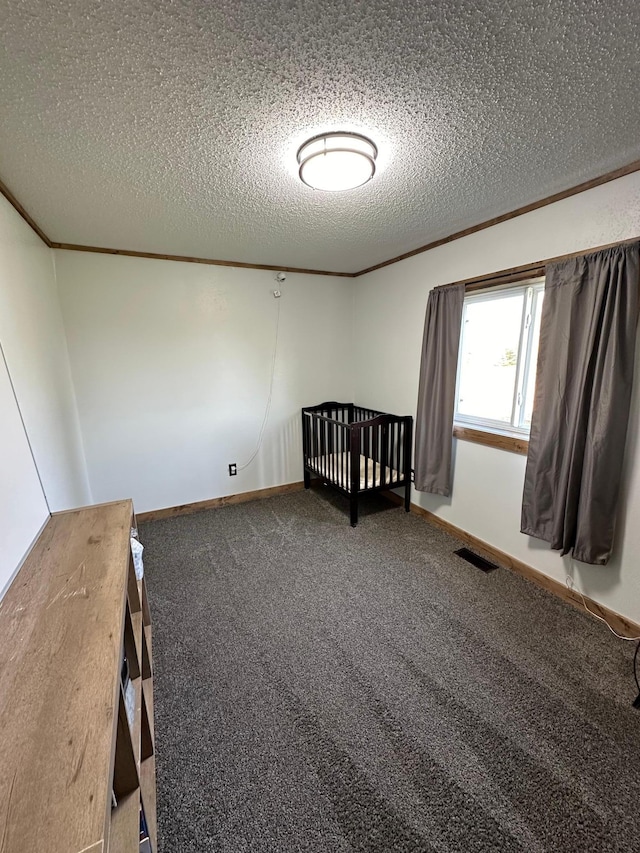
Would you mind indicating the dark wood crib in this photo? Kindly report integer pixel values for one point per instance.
(357, 450)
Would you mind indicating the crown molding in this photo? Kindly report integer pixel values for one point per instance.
(496, 220)
(6, 192)
(72, 247)
(519, 211)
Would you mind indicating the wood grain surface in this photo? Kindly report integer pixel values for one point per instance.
(61, 629)
(492, 439)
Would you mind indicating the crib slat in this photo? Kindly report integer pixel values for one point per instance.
(384, 453)
(326, 450)
(305, 438)
(332, 428)
(374, 452)
(323, 454)
(345, 450)
(366, 431)
(354, 449)
(403, 459)
(384, 429)
(334, 443)
(392, 450)
(310, 432)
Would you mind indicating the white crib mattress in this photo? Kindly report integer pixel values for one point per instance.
(336, 467)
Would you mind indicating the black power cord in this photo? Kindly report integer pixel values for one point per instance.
(636, 703)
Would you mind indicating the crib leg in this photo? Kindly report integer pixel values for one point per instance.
(407, 498)
(354, 510)
(307, 479)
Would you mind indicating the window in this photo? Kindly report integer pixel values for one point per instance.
(498, 357)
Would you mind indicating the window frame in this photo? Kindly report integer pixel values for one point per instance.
(532, 288)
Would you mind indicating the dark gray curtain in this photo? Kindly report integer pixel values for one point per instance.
(437, 389)
(581, 408)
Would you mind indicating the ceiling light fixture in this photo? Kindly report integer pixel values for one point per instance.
(337, 161)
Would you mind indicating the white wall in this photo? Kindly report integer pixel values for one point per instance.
(33, 338)
(171, 363)
(34, 345)
(487, 488)
(23, 509)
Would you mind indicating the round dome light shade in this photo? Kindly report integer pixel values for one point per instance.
(337, 161)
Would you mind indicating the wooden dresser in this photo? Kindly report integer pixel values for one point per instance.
(77, 761)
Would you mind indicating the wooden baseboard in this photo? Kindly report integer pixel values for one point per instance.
(88, 506)
(216, 503)
(619, 623)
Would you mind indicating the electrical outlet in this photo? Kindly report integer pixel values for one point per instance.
(233, 469)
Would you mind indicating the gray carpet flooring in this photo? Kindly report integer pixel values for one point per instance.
(322, 688)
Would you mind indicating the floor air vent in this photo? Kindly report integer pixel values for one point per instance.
(475, 560)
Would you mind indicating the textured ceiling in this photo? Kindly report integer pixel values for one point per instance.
(172, 126)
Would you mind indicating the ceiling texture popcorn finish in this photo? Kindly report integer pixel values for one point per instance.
(173, 127)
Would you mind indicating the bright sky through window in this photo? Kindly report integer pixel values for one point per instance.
(498, 355)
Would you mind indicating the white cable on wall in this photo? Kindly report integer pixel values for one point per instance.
(571, 585)
(267, 410)
(24, 427)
